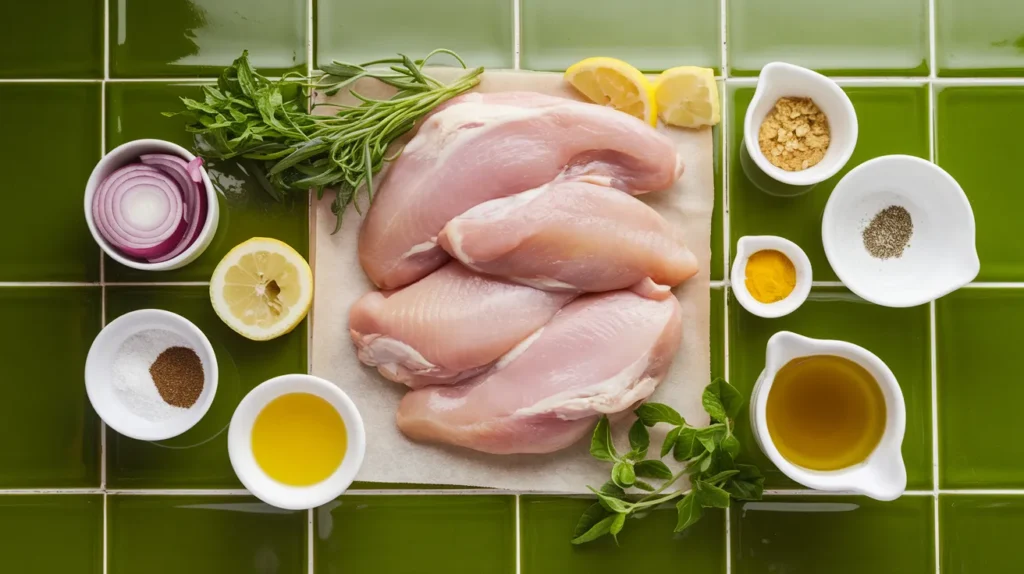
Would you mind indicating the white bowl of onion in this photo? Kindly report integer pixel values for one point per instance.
(150, 205)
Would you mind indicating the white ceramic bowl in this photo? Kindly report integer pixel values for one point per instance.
(99, 374)
(266, 488)
(780, 80)
(941, 256)
(127, 153)
(751, 244)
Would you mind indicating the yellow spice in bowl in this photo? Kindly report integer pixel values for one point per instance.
(769, 276)
(794, 135)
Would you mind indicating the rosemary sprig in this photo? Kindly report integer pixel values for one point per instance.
(250, 117)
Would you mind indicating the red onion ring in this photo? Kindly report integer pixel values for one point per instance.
(192, 195)
(123, 209)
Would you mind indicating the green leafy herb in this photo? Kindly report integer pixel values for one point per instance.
(708, 453)
(250, 117)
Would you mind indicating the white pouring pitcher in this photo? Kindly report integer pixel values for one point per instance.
(882, 475)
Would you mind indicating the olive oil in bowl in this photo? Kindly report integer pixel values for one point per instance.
(825, 412)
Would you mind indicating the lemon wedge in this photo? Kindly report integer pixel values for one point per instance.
(687, 96)
(616, 84)
(262, 288)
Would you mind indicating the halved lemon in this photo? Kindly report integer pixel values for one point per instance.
(687, 96)
(262, 288)
(614, 83)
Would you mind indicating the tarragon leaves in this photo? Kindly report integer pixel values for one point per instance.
(708, 453)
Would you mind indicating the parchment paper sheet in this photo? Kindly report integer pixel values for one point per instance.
(390, 457)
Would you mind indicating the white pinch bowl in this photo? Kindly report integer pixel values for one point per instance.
(941, 256)
(127, 153)
(780, 80)
(99, 374)
(751, 244)
(259, 482)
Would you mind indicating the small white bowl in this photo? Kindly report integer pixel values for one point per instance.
(127, 153)
(266, 488)
(99, 374)
(751, 244)
(780, 80)
(941, 256)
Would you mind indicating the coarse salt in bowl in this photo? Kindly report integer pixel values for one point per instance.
(130, 419)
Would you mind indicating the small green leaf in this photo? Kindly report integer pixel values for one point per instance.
(731, 445)
(623, 474)
(639, 439)
(711, 437)
(592, 515)
(654, 413)
(653, 469)
(596, 531)
(748, 484)
(611, 503)
(708, 465)
(687, 446)
(616, 527)
(670, 440)
(721, 400)
(612, 489)
(601, 446)
(711, 496)
(689, 512)
(643, 486)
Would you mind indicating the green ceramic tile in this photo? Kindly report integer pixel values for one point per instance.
(189, 38)
(980, 533)
(979, 37)
(203, 535)
(717, 332)
(480, 31)
(653, 35)
(868, 38)
(834, 534)
(50, 143)
(892, 120)
(134, 112)
(51, 39)
(198, 458)
(646, 544)
(978, 334)
(53, 435)
(52, 533)
(449, 534)
(977, 142)
(900, 337)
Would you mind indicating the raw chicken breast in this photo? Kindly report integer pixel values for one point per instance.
(484, 146)
(570, 234)
(448, 326)
(601, 354)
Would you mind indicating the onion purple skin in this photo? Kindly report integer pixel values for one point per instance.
(184, 173)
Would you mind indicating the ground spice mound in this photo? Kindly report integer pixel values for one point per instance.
(794, 136)
(178, 374)
(889, 233)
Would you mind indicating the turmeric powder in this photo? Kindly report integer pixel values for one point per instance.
(770, 276)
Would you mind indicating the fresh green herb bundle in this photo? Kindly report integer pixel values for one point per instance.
(250, 117)
(709, 454)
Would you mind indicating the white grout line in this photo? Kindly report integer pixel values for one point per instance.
(932, 328)
(103, 268)
(517, 31)
(519, 560)
(51, 80)
(726, 239)
(105, 545)
(932, 64)
(48, 284)
(309, 538)
(158, 284)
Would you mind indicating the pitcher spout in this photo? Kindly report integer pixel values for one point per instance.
(884, 477)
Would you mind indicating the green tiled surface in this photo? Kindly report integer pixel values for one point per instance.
(653, 35)
(203, 535)
(977, 142)
(52, 436)
(892, 120)
(866, 38)
(980, 533)
(199, 457)
(51, 39)
(978, 347)
(453, 534)
(647, 544)
(900, 337)
(38, 163)
(834, 534)
(480, 31)
(134, 112)
(979, 37)
(186, 38)
(54, 130)
(52, 533)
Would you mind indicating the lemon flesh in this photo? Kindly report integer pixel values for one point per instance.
(687, 96)
(262, 288)
(615, 84)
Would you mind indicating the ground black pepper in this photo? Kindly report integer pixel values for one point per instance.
(889, 233)
(178, 374)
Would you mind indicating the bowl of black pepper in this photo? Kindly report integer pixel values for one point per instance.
(899, 231)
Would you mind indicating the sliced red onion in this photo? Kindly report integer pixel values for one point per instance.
(192, 195)
(193, 169)
(140, 211)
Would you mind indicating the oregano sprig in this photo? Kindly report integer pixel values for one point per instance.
(709, 457)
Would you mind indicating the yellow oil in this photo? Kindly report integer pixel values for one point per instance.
(299, 439)
(825, 412)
